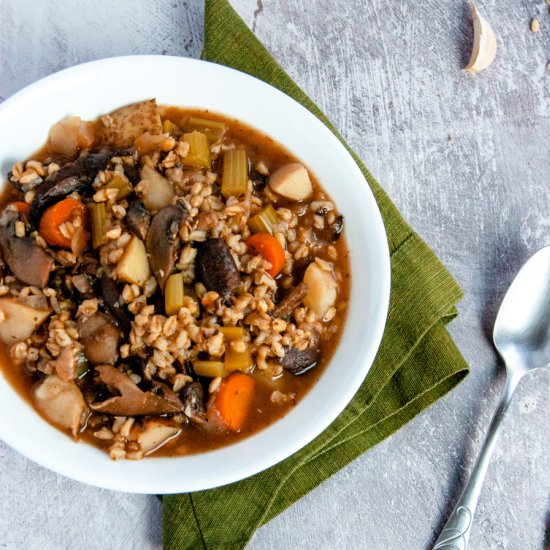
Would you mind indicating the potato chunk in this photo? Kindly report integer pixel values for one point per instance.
(21, 317)
(322, 287)
(71, 135)
(121, 127)
(154, 434)
(291, 181)
(158, 191)
(61, 402)
(133, 267)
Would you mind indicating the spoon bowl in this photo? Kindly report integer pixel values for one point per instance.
(522, 327)
(522, 338)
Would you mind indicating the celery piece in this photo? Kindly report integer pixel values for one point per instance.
(97, 210)
(168, 127)
(199, 150)
(209, 369)
(237, 360)
(173, 294)
(122, 184)
(235, 173)
(265, 221)
(233, 333)
(213, 129)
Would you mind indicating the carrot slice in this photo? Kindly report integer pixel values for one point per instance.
(270, 249)
(22, 208)
(67, 210)
(234, 399)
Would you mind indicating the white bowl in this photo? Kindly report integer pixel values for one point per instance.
(98, 87)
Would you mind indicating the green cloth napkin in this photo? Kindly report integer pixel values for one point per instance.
(417, 362)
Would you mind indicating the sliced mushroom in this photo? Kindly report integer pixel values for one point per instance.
(164, 391)
(121, 127)
(161, 240)
(298, 362)
(61, 402)
(138, 219)
(194, 408)
(74, 176)
(22, 316)
(30, 263)
(100, 337)
(132, 401)
(289, 302)
(216, 267)
(152, 435)
(113, 301)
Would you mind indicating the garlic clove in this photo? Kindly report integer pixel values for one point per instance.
(485, 43)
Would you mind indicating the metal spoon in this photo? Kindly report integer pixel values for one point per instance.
(522, 337)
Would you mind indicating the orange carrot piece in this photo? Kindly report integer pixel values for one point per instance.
(270, 249)
(234, 399)
(22, 208)
(67, 210)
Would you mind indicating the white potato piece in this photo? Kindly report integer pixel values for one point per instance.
(155, 434)
(291, 181)
(70, 135)
(121, 127)
(322, 287)
(133, 267)
(158, 191)
(61, 402)
(21, 317)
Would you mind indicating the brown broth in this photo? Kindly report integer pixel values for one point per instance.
(194, 440)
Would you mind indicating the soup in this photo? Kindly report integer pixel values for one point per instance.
(173, 280)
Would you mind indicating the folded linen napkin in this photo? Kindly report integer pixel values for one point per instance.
(417, 362)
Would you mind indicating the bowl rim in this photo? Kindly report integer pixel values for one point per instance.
(30, 94)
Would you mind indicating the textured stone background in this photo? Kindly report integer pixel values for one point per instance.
(467, 160)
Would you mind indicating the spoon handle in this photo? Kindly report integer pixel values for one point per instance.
(457, 529)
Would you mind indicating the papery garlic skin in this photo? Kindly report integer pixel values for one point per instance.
(485, 44)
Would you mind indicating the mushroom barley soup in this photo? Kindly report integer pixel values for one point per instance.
(172, 280)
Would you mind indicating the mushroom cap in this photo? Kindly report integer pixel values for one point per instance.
(73, 176)
(216, 268)
(161, 240)
(30, 263)
(132, 401)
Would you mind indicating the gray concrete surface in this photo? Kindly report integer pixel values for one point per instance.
(467, 161)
